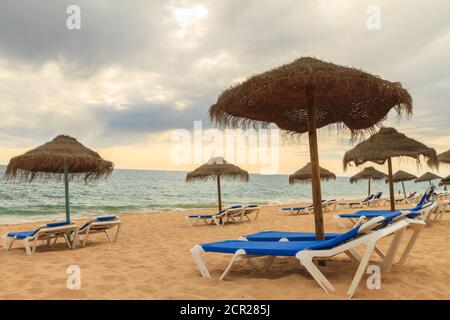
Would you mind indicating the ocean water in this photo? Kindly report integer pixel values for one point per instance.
(135, 191)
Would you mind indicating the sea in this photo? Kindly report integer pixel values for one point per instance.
(147, 191)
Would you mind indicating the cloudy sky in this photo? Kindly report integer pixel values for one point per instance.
(137, 70)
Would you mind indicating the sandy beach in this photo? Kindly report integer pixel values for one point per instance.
(152, 260)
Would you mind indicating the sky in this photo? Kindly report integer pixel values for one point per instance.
(137, 74)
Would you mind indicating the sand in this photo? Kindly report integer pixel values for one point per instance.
(152, 260)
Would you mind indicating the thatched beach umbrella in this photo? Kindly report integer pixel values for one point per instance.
(304, 175)
(309, 94)
(445, 181)
(402, 176)
(385, 145)
(369, 173)
(217, 169)
(429, 176)
(444, 157)
(63, 157)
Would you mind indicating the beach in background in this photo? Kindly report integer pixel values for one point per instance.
(144, 191)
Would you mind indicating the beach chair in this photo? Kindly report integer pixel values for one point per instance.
(251, 209)
(408, 199)
(329, 205)
(99, 225)
(437, 213)
(295, 211)
(46, 233)
(360, 204)
(366, 234)
(210, 219)
(234, 215)
(377, 200)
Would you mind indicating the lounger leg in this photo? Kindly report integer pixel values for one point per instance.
(361, 269)
(26, 244)
(306, 261)
(379, 253)
(117, 233)
(86, 237)
(417, 229)
(66, 239)
(196, 252)
(7, 242)
(353, 255)
(236, 257)
(107, 235)
(390, 255)
(75, 239)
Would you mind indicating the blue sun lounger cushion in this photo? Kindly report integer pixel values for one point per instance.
(287, 249)
(24, 234)
(209, 216)
(291, 236)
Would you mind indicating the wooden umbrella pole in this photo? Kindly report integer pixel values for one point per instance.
(315, 169)
(66, 189)
(391, 185)
(219, 197)
(368, 192)
(404, 190)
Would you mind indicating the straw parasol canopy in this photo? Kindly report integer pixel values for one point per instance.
(445, 181)
(304, 175)
(444, 157)
(385, 145)
(62, 158)
(429, 176)
(402, 176)
(308, 94)
(369, 173)
(216, 169)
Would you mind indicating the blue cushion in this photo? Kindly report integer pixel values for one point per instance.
(236, 207)
(21, 235)
(287, 249)
(58, 224)
(291, 236)
(252, 206)
(107, 218)
(295, 209)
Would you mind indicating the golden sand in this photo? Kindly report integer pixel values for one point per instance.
(152, 260)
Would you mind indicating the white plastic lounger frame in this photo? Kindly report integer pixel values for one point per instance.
(436, 213)
(298, 211)
(46, 234)
(96, 226)
(306, 257)
(249, 210)
(232, 215)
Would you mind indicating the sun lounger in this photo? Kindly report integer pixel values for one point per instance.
(305, 251)
(329, 205)
(377, 200)
(407, 199)
(251, 209)
(216, 218)
(360, 204)
(99, 225)
(47, 233)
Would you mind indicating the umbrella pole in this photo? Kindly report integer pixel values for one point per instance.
(368, 192)
(219, 197)
(404, 190)
(66, 189)
(391, 185)
(315, 169)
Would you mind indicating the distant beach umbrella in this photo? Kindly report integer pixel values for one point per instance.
(217, 169)
(62, 158)
(445, 181)
(429, 176)
(369, 173)
(402, 176)
(309, 94)
(444, 157)
(385, 145)
(304, 175)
